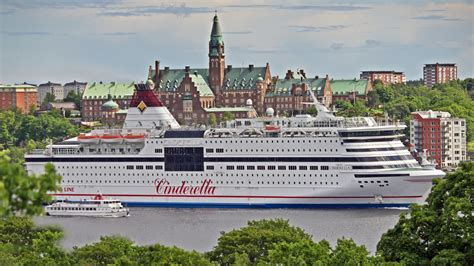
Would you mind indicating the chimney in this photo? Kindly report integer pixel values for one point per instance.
(289, 74)
(229, 68)
(250, 67)
(167, 68)
(317, 77)
(157, 71)
(186, 69)
(302, 73)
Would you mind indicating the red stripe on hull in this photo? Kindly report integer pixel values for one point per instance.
(237, 196)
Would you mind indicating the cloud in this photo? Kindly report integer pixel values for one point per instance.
(34, 4)
(317, 29)
(305, 7)
(118, 33)
(337, 46)
(236, 32)
(436, 17)
(25, 33)
(372, 43)
(179, 10)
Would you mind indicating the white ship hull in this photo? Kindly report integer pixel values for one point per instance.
(333, 184)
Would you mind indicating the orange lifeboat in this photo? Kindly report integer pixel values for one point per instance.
(272, 128)
(109, 138)
(134, 138)
(89, 139)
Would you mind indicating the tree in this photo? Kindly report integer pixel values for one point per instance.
(212, 120)
(255, 240)
(441, 231)
(23, 194)
(74, 97)
(49, 98)
(228, 116)
(311, 110)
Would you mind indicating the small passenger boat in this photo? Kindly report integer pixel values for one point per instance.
(96, 207)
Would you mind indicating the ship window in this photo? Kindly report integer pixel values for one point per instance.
(292, 167)
(158, 150)
(324, 167)
(219, 150)
(149, 167)
(281, 167)
(303, 167)
(139, 167)
(250, 167)
(313, 167)
(261, 167)
(240, 167)
(209, 150)
(184, 159)
(230, 167)
(129, 167)
(271, 167)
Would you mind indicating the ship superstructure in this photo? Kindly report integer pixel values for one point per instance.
(302, 161)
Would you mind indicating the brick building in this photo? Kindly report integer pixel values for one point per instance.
(439, 73)
(350, 90)
(442, 136)
(50, 87)
(23, 97)
(96, 94)
(76, 86)
(387, 77)
(189, 92)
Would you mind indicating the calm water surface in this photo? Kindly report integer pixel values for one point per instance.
(199, 229)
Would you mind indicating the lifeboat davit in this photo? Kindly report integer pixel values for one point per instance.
(90, 139)
(134, 138)
(109, 138)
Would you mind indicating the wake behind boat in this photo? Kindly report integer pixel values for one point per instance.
(96, 207)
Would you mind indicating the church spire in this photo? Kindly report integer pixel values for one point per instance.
(216, 28)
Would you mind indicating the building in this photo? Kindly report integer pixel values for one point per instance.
(66, 108)
(350, 90)
(439, 73)
(442, 136)
(23, 97)
(76, 86)
(55, 89)
(96, 94)
(387, 77)
(188, 92)
(289, 95)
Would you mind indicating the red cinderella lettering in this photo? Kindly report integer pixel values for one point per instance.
(163, 186)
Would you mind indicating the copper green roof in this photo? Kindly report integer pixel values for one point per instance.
(201, 85)
(19, 86)
(283, 86)
(243, 78)
(216, 33)
(99, 90)
(239, 78)
(344, 87)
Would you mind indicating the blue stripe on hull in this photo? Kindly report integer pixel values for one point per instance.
(264, 205)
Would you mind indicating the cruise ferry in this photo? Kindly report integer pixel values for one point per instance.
(297, 162)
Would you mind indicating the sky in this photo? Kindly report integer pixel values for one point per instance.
(117, 40)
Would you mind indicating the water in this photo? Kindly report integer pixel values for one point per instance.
(199, 229)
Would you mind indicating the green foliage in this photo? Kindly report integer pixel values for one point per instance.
(228, 116)
(441, 231)
(349, 109)
(17, 129)
(212, 119)
(21, 193)
(161, 255)
(22, 243)
(312, 110)
(49, 98)
(74, 97)
(255, 240)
